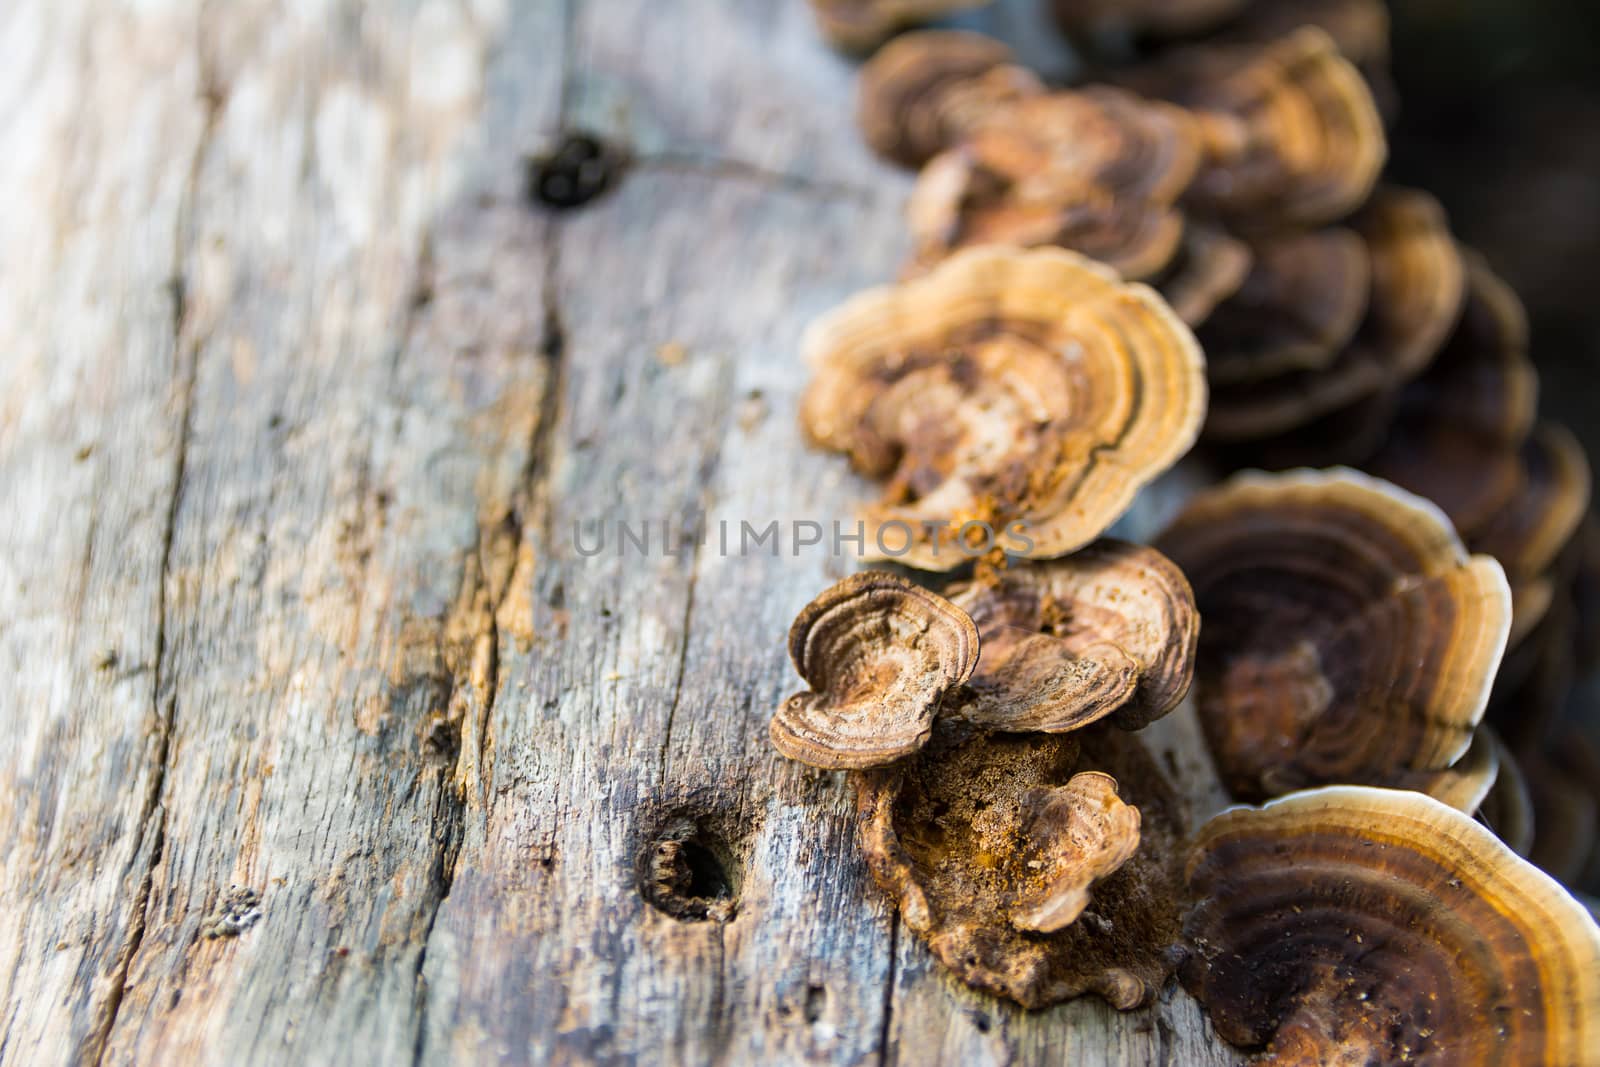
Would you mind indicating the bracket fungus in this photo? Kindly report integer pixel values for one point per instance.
(922, 92)
(1417, 285)
(879, 653)
(1210, 266)
(1005, 387)
(860, 25)
(1097, 170)
(1036, 866)
(1292, 136)
(1457, 427)
(1357, 925)
(1300, 303)
(1124, 608)
(1348, 635)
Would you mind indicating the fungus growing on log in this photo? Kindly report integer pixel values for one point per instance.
(1209, 268)
(879, 654)
(988, 843)
(1417, 285)
(1006, 387)
(1292, 136)
(1457, 427)
(860, 25)
(1300, 303)
(1465, 783)
(1348, 636)
(1096, 170)
(1112, 603)
(922, 92)
(1359, 925)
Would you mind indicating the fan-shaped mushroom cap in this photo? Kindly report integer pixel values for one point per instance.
(1165, 17)
(1111, 595)
(1547, 508)
(1348, 636)
(1030, 681)
(1417, 287)
(1007, 387)
(987, 842)
(1083, 832)
(1457, 426)
(920, 93)
(1211, 266)
(859, 25)
(1097, 170)
(1300, 304)
(1465, 783)
(1292, 133)
(1361, 925)
(879, 654)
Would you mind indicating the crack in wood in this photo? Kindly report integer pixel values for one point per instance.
(164, 705)
(888, 989)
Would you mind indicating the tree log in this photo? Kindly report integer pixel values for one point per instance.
(301, 401)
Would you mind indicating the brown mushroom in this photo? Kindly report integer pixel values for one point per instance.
(1121, 605)
(1359, 28)
(879, 654)
(922, 92)
(987, 843)
(860, 25)
(1348, 636)
(1544, 514)
(1029, 392)
(1210, 267)
(1029, 681)
(1465, 783)
(1292, 135)
(1417, 285)
(1301, 303)
(1357, 925)
(1096, 170)
(1082, 832)
(1455, 435)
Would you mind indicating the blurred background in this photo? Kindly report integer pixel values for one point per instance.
(1500, 118)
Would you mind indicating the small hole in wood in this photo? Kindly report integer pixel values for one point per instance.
(690, 871)
(575, 170)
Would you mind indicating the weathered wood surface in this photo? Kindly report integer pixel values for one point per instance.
(299, 400)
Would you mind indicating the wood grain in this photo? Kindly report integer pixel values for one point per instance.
(301, 402)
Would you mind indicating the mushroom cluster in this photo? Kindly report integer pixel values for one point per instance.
(1006, 805)
(1197, 246)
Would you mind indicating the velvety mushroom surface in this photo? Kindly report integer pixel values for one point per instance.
(1036, 866)
(1006, 387)
(1348, 636)
(921, 92)
(1124, 608)
(1360, 925)
(879, 654)
(859, 25)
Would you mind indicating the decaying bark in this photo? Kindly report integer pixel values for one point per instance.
(300, 401)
